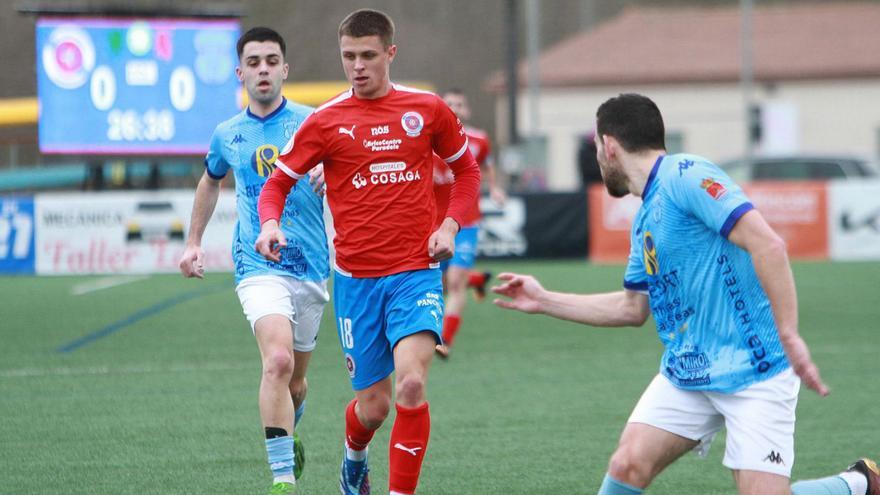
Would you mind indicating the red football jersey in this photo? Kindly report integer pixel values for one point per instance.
(378, 167)
(478, 143)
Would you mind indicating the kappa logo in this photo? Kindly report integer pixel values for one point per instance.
(684, 165)
(359, 181)
(349, 132)
(774, 457)
(238, 139)
(412, 451)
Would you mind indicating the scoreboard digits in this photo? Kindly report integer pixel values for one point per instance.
(134, 86)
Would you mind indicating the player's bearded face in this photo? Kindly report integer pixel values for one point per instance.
(262, 70)
(367, 64)
(616, 181)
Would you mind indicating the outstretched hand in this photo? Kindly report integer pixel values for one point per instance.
(524, 293)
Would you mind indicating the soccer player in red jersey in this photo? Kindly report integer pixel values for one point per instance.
(458, 273)
(376, 142)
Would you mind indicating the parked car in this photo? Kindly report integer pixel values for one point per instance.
(154, 220)
(799, 167)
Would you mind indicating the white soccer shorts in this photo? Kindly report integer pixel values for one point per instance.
(759, 420)
(302, 302)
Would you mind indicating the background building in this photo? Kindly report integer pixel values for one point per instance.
(815, 75)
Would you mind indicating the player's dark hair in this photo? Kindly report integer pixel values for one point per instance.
(368, 22)
(260, 33)
(634, 120)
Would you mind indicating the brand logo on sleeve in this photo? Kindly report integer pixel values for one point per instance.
(412, 123)
(684, 165)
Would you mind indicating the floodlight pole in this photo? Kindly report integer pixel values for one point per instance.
(533, 33)
(747, 76)
(512, 79)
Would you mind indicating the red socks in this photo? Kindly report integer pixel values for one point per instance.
(409, 439)
(450, 328)
(357, 437)
(476, 279)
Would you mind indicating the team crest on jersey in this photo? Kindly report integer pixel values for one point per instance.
(412, 123)
(713, 187)
(289, 129)
(650, 251)
(263, 160)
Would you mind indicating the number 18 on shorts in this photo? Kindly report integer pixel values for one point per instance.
(374, 314)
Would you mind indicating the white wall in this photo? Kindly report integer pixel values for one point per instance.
(833, 117)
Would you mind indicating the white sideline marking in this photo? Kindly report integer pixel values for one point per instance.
(117, 370)
(105, 283)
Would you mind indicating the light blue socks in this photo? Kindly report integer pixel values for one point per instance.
(611, 486)
(280, 453)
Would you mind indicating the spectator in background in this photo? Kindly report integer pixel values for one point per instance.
(587, 163)
(458, 273)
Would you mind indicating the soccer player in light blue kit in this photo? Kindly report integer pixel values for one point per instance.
(284, 300)
(717, 280)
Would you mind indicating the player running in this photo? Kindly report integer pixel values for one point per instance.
(282, 299)
(717, 280)
(376, 141)
(458, 273)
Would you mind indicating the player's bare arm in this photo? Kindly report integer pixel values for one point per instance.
(192, 261)
(441, 244)
(616, 309)
(770, 260)
(496, 193)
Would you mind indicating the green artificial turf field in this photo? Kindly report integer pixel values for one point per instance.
(150, 387)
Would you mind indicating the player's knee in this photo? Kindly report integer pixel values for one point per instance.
(627, 468)
(278, 364)
(298, 389)
(373, 412)
(410, 389)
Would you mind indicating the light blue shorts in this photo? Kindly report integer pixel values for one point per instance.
(374, 314)
(465, 249)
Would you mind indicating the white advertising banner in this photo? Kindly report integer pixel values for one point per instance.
(125, 232)
(854, 220)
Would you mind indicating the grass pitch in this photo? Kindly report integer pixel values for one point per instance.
(150, 387)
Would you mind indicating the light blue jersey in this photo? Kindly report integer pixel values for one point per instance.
(711, 312)
(249, 145)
